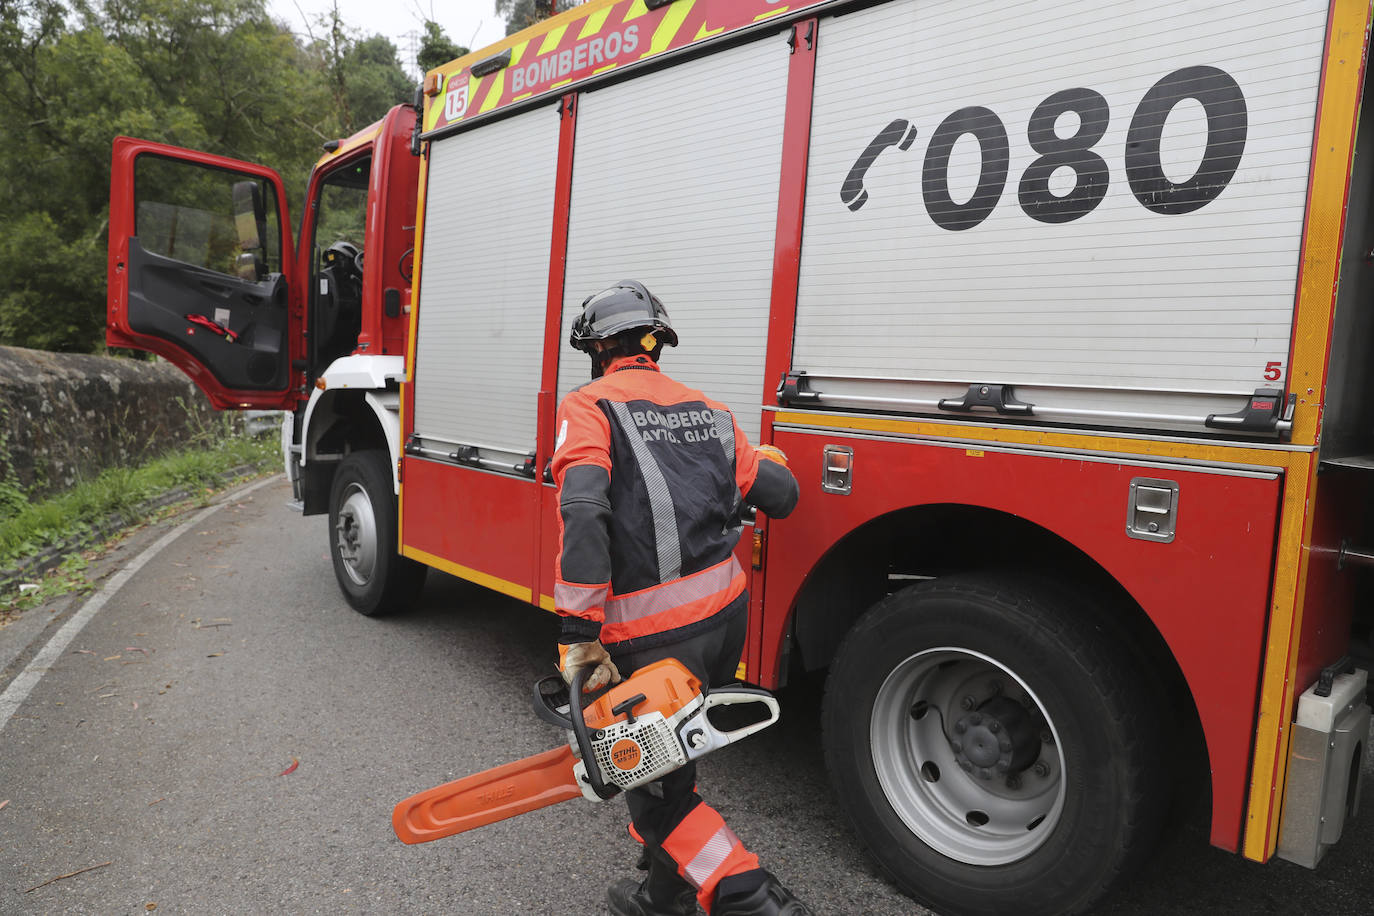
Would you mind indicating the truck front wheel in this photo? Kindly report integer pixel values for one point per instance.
(362, 533)
(994, 750)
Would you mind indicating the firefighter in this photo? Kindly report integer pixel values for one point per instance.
(650, 475)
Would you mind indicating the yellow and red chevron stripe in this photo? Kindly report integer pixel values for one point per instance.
(588, 39)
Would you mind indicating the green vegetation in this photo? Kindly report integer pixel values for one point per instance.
(124, 492)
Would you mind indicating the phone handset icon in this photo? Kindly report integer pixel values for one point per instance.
(900, 133)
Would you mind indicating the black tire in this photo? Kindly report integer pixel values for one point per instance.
(374, 578)
(972, 818)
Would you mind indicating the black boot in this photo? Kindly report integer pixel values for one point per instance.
(628, 897)
(769, 898)
(662, 893)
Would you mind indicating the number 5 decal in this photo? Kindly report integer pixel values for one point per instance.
(1273, 371)
(900, 134)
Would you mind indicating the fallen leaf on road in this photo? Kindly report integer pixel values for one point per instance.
(4, 803)
(69, 874)
(135, 649)
(110, 658)
(106, 696)
(214, 655)
(156, 800)
(292, 768)
(135, 704)
(82, 652)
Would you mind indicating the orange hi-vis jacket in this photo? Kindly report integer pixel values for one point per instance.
(650, 475)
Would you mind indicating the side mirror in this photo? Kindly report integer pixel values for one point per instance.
(249, 266)
(250, 223)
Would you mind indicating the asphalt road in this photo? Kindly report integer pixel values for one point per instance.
(153, 749)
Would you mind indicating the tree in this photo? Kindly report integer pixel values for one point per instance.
(436, 48)
(364, 75)
(521, 14)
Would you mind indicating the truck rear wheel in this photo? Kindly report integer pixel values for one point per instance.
(994, 751)
(362, 535)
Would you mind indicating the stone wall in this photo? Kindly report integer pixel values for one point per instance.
(66, 417)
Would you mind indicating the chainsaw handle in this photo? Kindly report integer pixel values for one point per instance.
(700, 741)
(583, 734)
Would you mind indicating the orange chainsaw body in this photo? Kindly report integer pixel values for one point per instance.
(547, 778)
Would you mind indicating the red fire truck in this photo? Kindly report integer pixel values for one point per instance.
(1060, 310)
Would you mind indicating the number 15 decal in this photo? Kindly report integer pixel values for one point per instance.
(900, 134)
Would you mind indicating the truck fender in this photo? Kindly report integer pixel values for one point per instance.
(372, 375)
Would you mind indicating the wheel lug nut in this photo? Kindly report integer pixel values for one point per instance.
(957, 747)
(960, 726)
(1042, 769)
(1004, 745)
(966, 764)
(968, 702)
(1046, 736)
(1013, 781)
(994, 726)
(975, 719)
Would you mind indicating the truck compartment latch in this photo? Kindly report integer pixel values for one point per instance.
(794, 389)
(1260, 415)
(997, 397)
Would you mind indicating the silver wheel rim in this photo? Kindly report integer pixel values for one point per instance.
(943, 781)
(355, 535)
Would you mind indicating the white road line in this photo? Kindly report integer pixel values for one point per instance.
(19, 688)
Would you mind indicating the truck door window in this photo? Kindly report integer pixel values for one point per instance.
(187, 212)
(337, 264)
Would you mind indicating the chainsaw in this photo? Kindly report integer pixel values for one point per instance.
(637, 731)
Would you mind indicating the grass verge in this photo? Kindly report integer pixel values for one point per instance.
(31, 528)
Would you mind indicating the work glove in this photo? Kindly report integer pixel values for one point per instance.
(772, 453)
(582, 654)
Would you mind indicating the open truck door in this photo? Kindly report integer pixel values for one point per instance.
(199, 258)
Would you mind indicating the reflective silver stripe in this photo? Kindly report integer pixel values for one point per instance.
(725, 426)
(708, 582)
(711, 857)
(570, 597)
(660, 500)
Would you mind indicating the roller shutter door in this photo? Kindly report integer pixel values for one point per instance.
(1133, 247)
(484, 285)
(675, 184)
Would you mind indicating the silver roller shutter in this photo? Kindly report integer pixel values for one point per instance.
(1123, 310)
(484, 285)
(675, 184)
